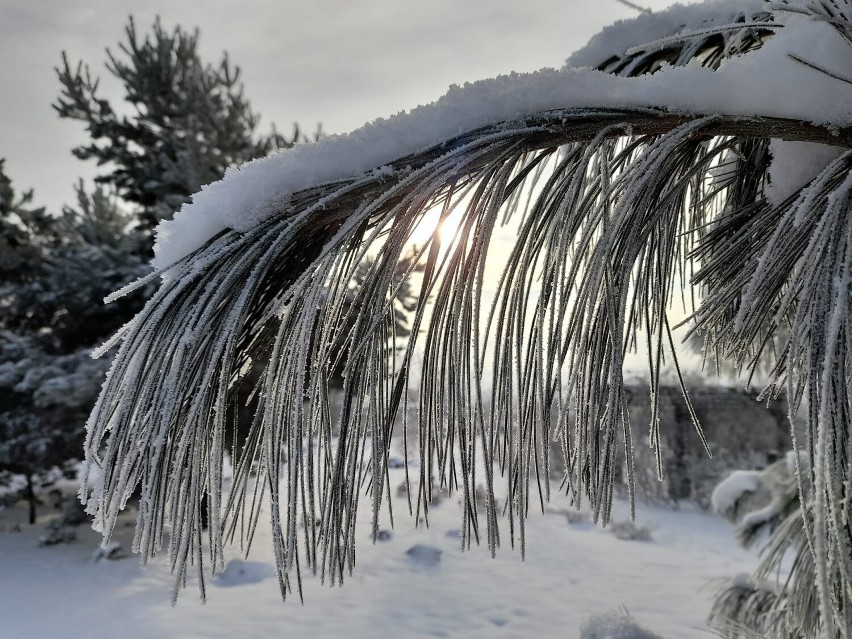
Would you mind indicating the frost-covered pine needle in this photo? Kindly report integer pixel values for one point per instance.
(615, 208)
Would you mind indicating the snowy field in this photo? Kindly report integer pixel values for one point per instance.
(572, 570)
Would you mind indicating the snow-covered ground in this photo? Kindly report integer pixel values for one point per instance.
(572, 570)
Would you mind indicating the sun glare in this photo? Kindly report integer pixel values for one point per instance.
(432, 227)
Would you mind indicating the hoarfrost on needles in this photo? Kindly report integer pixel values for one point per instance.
(609, 232)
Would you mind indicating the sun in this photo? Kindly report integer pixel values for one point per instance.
(430, 228)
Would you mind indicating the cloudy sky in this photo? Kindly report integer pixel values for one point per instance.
(336, 62)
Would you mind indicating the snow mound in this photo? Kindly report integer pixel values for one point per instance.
(240, 573)
(424, 555)
(112, 551)
(614, 625)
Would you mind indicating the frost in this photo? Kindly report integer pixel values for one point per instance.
(617, 204)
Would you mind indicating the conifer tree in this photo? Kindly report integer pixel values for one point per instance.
(188, 120)
(21, 232)
(56, 271)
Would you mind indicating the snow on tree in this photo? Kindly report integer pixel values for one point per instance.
(656, 168)
(21, 232)
(55, 272)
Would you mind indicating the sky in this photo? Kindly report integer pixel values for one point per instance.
(331, 62)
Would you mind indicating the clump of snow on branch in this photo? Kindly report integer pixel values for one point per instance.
(733, 489)
(795, 164)
(756, 497)
(620, 36)
(757, 83)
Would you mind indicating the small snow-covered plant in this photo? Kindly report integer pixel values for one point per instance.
(614, 624)
(744, 605)
(629, 531)
(758, 500)
(706, 146)
(781, 599)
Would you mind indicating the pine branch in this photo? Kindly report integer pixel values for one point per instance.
(614, 207)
